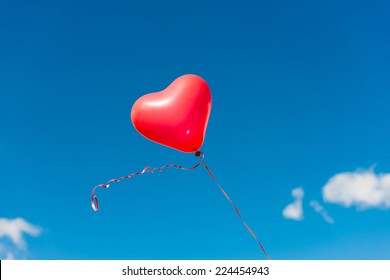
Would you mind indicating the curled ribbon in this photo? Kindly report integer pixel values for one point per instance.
(148, 169)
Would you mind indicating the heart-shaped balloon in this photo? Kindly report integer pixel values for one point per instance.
(176, 116)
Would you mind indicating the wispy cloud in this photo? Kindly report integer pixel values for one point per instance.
(362, 189)
(10, 256)
(15, 228)
(9, 252)
(294, 210)
(321, 210)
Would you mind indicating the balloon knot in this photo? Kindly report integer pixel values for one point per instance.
(198, 153)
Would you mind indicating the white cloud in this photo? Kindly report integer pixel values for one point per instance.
(294, 210)
(363, 189)
(10, 256)
(15, 228)
(320, 210)
(10, 252)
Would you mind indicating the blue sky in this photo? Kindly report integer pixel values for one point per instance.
(300, 96)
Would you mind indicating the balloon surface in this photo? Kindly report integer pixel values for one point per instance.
(176, 116)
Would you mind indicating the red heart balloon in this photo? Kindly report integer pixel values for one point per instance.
(176, 116)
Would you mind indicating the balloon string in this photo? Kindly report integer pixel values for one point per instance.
(147, 169)
(234, 206)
